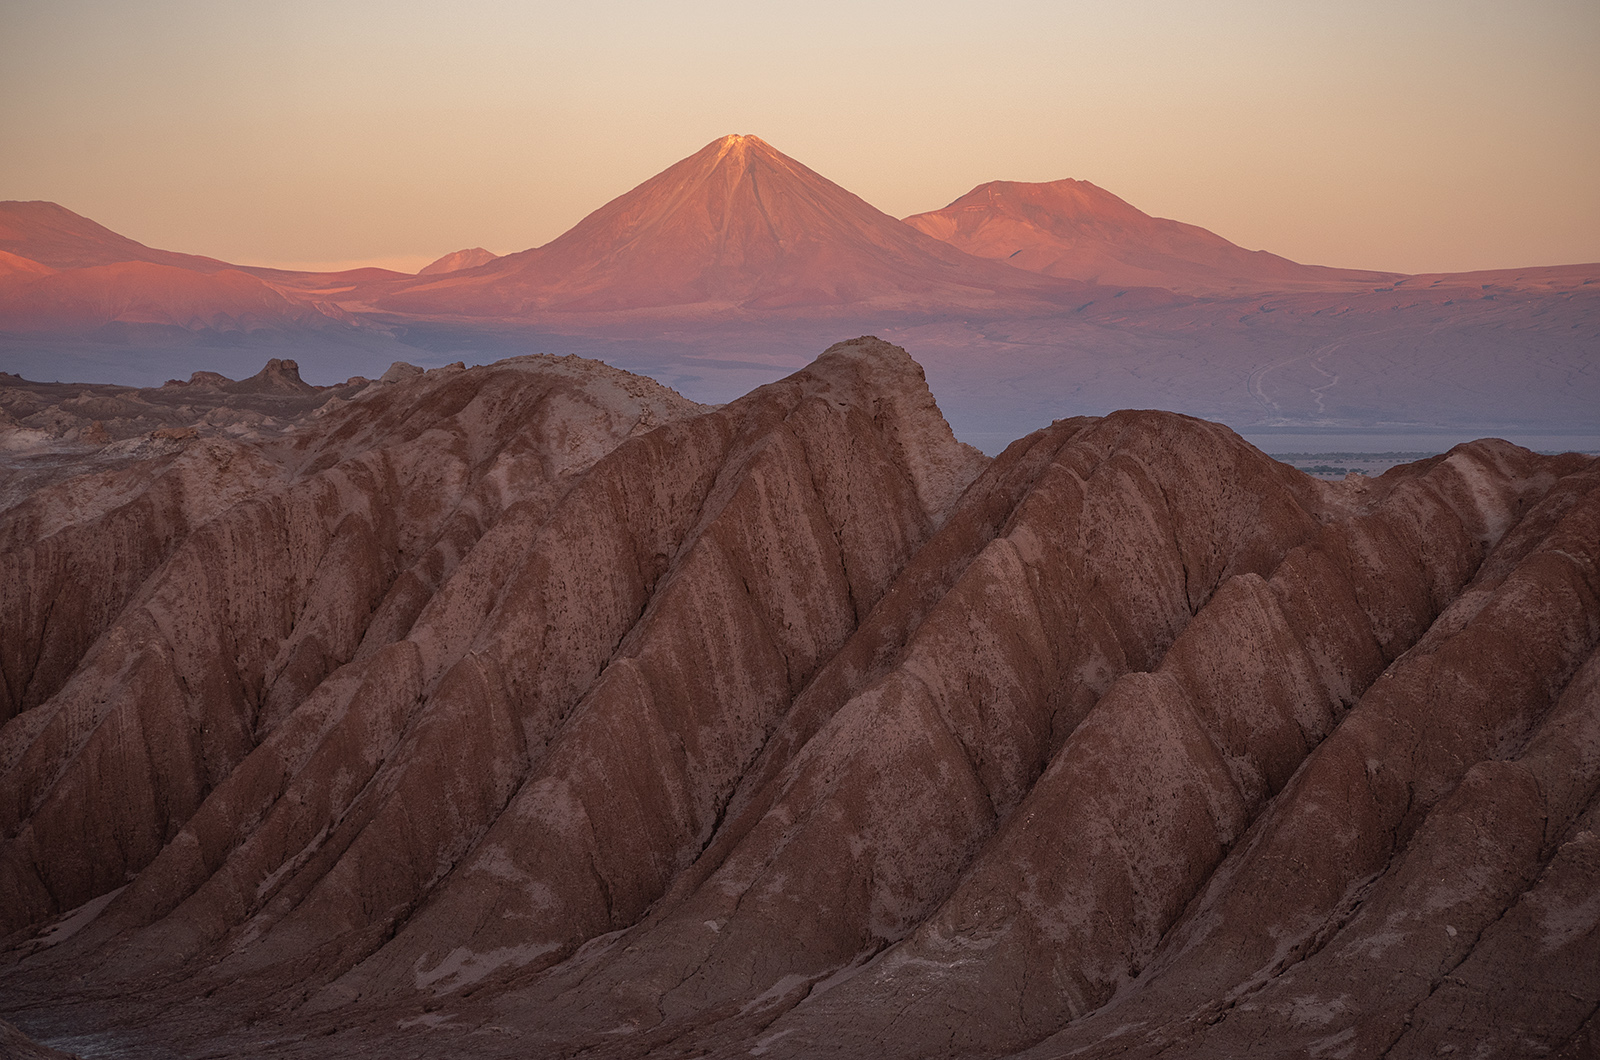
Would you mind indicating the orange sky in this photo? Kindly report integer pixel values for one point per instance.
(1402, 135)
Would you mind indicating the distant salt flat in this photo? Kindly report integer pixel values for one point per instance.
(1426, 443)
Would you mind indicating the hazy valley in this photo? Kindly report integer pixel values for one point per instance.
(355, 707)
(1024, 302)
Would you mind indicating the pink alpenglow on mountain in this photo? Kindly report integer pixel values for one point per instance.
(458, 260)
(55, 236)
(65, 275)
(1026, 302)
(738, 225)
(1075, 230)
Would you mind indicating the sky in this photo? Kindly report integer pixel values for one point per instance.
(1408, 135)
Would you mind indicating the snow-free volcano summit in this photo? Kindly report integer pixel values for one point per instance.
(1026, 301)
(736, 225)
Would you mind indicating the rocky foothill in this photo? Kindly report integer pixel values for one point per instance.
(533, 710)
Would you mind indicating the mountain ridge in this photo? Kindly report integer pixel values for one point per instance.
(532, 709)
(469, 258)
(730, 267)
(737, 224)
(53, 235)
(1076, 230)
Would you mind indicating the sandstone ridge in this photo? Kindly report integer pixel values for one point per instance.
(534, 710)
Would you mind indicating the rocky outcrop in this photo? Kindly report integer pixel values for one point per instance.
(277, 377)
(42, 423)
(534, 710)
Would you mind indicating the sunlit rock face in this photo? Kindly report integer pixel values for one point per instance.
(534, 710)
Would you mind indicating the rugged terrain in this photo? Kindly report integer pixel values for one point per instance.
(534, 710)
(730, 268)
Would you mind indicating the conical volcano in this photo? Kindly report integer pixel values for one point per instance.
(1073, 229)
(737, 224)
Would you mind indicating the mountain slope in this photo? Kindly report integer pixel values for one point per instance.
(55, 236)
(457, 260)
(84, 300)
(533, 710)
(737, 224)
(64, 276)
(1075, 230)
(734, 265)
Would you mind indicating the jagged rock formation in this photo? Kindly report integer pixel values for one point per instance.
(534, 710)
(41, 423)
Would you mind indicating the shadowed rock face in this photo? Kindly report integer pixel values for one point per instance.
(533, 710)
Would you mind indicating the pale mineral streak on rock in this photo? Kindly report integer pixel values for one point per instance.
(531, 709)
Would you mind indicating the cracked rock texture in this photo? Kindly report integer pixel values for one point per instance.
(533, 710)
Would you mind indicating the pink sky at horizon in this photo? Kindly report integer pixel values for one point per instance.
(1413, 136)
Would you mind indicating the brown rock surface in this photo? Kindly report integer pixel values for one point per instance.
(14, 1045)
(532, 710)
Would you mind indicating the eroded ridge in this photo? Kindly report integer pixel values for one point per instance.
(533, 710)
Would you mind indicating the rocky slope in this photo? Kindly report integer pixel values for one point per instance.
(534, 710)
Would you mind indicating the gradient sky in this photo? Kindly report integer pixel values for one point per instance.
(1412, 136)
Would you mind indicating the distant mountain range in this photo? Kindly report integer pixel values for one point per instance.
(735, 226)
(738, 226)
(1075, 230)
(532, 710)
(1024, 301)
(62, 274)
